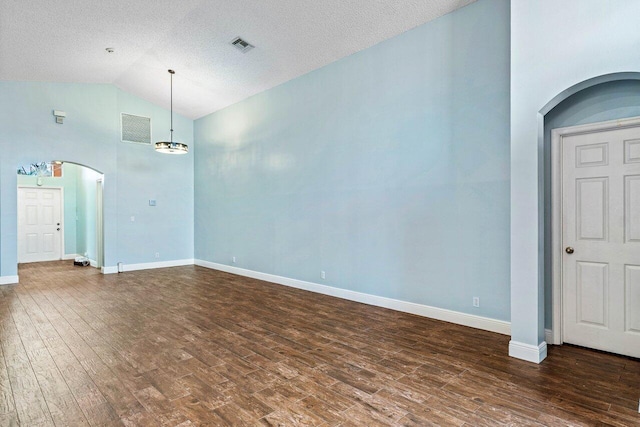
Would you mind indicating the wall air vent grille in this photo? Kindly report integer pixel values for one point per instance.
(135, 129)
(242, 45)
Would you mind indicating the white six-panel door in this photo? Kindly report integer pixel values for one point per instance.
(601, 240)
(39, 224)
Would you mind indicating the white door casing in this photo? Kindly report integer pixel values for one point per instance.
(99, 225)
(597, 214)
(40, 224)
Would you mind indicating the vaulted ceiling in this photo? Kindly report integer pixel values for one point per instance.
(65, 41)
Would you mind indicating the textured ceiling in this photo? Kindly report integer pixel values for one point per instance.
(65, 41)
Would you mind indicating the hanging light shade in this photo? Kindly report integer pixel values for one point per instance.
(170, 147)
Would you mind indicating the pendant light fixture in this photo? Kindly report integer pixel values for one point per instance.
(171, 147)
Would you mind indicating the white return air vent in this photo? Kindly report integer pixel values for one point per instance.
(242, 45)
(135, 128)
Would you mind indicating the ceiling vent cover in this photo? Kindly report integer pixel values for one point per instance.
(242, 45)
(135, 129)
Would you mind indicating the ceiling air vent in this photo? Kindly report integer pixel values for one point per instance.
(241, 45)
(135, 129)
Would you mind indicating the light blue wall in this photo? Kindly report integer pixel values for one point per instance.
(555, 46)
(388, 169)
(90, 136)
(30, 134)
(144, 175)
(68, 183)
(86, 209)
(607, 101)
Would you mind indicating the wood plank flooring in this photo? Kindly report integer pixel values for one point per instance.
(189, 346)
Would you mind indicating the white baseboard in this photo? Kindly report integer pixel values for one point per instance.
(109, 270)
(93, 263)
(548, 336)
(465, 319)
(8, 280)
(159, 264)
(146, 266)
(528, 352)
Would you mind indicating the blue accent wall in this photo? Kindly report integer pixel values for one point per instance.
(90, 136)
(388, 170)
(144, 175)
(606, 101)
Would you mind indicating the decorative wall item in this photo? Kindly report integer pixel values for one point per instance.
(42, 169)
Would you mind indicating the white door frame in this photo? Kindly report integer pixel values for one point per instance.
(557, 136)
(99, 224)
(51, 187)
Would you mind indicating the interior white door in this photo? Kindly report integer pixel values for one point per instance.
(601, 240)
(39, 224)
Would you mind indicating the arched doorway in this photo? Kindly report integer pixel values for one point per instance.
(60, 212)
(596, 108)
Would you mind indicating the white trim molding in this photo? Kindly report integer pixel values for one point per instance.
(528, 352)
(109, 270)
(8, 280)
(473, 321)
(146, 266)
(153, 265)
(548, 336)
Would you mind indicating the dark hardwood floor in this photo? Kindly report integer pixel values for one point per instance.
(190, 346)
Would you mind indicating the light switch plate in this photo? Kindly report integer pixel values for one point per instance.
(152, 202)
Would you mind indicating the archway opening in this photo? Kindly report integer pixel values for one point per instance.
(604, 98)
(59, 210)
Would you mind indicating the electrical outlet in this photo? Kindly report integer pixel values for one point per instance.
(157, 254)
(323, 275)
(233, 260)
(476, 301)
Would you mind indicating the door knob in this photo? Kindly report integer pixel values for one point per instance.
(569, 250)
(58, 228)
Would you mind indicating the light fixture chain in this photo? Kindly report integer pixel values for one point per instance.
(166, 146)
(171, 74)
